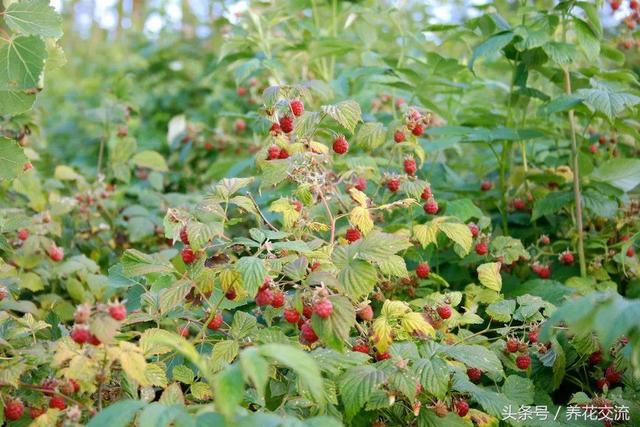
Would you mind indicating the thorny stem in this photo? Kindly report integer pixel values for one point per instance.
(255, 204)
(331, 218)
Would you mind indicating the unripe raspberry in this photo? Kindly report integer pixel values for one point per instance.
(360, 184)
(399, 136)
(566, 257)
(431, 206)
(426, 193)
(215, 323)
(241, 91)
(474, 374)
(353, 234)
(188, 256)
(393, 184)
(273, 152)
(486, 185)
(57, 402)
(544, 240)
(382, 356)
(184, 331)
(264, 297)
(14, 409)
(308, 333)
(297, 107)
(23, 234)
(323, 308)
(184, 237)
(340, 145)
(473, 228)
(291, 315)
(240, 125)
(444, 311)
(27, 167)
(80, 334)
(440, 408)
(286, 124)
(523, 361)
(512, 345)
(462, 407)
(410, 166)
(519, 204)
(423, 270)
(278, 299)
(361, 348)
(482, 248)
(3, 292)
(593, 148)
(366, 313)
(297, 204)
(36, 412)
(82, 313)
(55, 253)
(118, 312)
(418, 129)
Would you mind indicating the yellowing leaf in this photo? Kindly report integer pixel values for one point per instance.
(359, 197)
(459, 233)
(133, 362)
(317, 147)
(156, 374)
(361, 218)
(489, 275)
(229, 279)
(414, 322)
(65, 173)
(393, 309)
(201, 391)
(288, 211)
(382, 334)
(426, 234)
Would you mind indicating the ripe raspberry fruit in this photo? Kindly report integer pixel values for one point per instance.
(633, 5)
(462, 407)
(612, 376)
(55, 253)
(474, 229)
(523, 361)
(544, 240)
(566, 257)
(278, 299)
(431, 206)
(184, 331)
(118, 312)
(398, 136)
(615, 5)
(595, 358)
(215, 323)
(426, 193)
(314, 266)
(410, 166)
(36, 412)
(486, 185)
(418, 129)
(284, 154)
(393, 184)
(353, 234)
(14, 409)
(231, 294)
(184, 237)
(307, 311)
(340, 145)
(75, 385)
(361, 348)
(57, 402)
(366, 313)
(474, 374)
(297, 107)
(382, 356)
(273, 152)
(264, 297)
(49, 385)
(308, 333)
(533, 336)
(593, 148)
(188, 256)
(360, 184)
(240, 125)
(241, 91)
(93, 340)
(543, 271)
(275, 129)
(80, 334)
(482, 248)
(444, 311)
(631, 251)
(519, 204)
(602, 383)
(291, 315)
(512, 345)
(23, 234)
(423, 270)
(286, 124)
(323, 308)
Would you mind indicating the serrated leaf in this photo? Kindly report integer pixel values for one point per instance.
(34, 17)
(228, 387)
(560, 53)
(12, 159)
(255, 368)
(347, 113)
(551, 203)
(621, 173)
(474, 356)
(426, 234)
(607, 99)
(182, 374)
(508, 249)
(356, 276)
(501, 310)
(133, 362)
(393, 265)
(136, 263)
(519, 389)
(434, 376)
(587, 39)
(415, 323)
(119, 414)
(356, 387)
(361, 218)
(288, 211)
(491, 46)
(13, 102)
(151, 160)
(306, 123)
(489, 275)
(22, 62)
(371, 135)
(334, 330)
(382, 333)
(459, 233)
(253, 273)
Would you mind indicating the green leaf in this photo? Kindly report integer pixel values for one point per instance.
(253, 273)
(306, 123)
(334, 330)
(593, 17)
(474, 356)
(428, 418)
(519, 389)
(120, 414)
(255, 368)
(551, 203)
(183, 374)
(501, 310)
(587, 39)
(371, 135)
(243, 325)
(610, 100)
(356, 387)
(136, 263)
(559, 105)
(12, 159)
(13, 102)
(150, 159)
(463, 210)
(508, 249)
(621, 173)
(356, 276)
(228, 387)
(560, 53)
(34, 17)
(347, 113)
(434, 376)
(491, 46)
(22, 62)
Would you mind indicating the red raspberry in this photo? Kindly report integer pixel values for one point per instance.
(533, 336)
(231, 294)
(612, 376)
(93, 340)
(482, 248)
(523, 361)
(633, 5)
(297, 204)
(49, 385)
(602, 140)
(27, 167)
(80, 334)
(184, 331)
(323, 308)
(410, 166)
(544, 272)
(340, 145)
(474, 374)
(353, 234)
(566, 257)
(184, 237)
(360, 184)
(307, 311)
(278, 299)
(275, 130)
(36, 412)
(512, 345)
(57, 402)
(284, 154)
(595, 358)
(291, 315)
(308, 333)
(418, 129)
(615, 5)
(631, 251)
(382, 356)
(188, 256)
(273, 152)
(314, 266)
(519, 204)
(241, 91)
(75, 385)
(602, 383)
(297, 107)
(3, 292)
(393, 184)
(216, 322)
(473, 228)
(462, 407)
(286, 124)
(14, 409)
(118, 312)
(366, 313)
(55, 253)
(431, 207)
(544, 240)
(240, 125)
(444, 311)
(486, 185)
(423, 270)
(593, 148)
(264, 297)
(66, 387)
(399, 136)
(23, 234)
(361, 348)
(426, 193)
